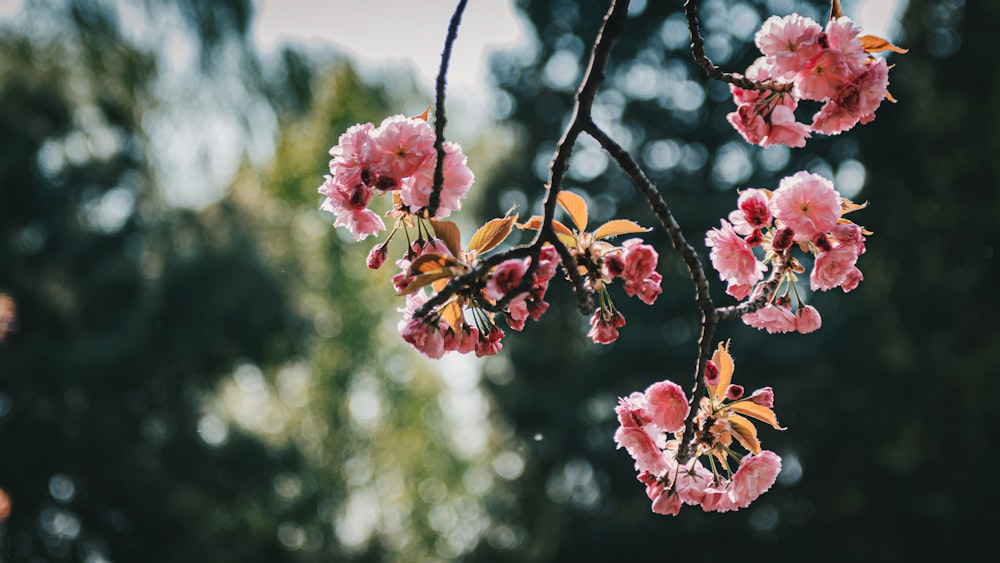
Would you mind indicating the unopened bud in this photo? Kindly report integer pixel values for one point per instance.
(360, 196)
(386, 183)
(734, 392)
(711, 373)
(755, 238)
(377, 257)
(822, 242)
(763, 397)
(782, 240)
(614, 265)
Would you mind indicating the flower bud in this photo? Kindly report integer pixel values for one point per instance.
(755, 238)
(822, 242)
(734, 392)
(614, 265)
(782, 240)
(807, 319)
(763, 397)
(755, 209)
(711, 373)
(377, 257)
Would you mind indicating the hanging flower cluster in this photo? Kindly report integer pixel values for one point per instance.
(651, 425)
(398, 156)
(805, 212)
(599, 262)
(466, 321)
(685, 452)
(804, 61)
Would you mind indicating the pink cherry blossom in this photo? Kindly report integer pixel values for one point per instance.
(807, 319)
(377, 256)
(732, 257)
(850, 234)
(505, 278)
(667, 405)
(823, 75)
(711, 373)
(749, 123)
(788, 42)
(807, 204)
(604, 326)
(734, 392)
(648, 290)
(426, 337)
(754, 477)
(753, 212)
(640, 260)
(401, 144)
(642, 447)
(458, 177)
(844, 35)
(785, 130)
(851, 279)
(692, 482)
(738, 291)
(489, 343)
(632, 410)
(763, 397)
(667, 503)
(831, 268)
(352, 153)
(773, 318)
(349, 204)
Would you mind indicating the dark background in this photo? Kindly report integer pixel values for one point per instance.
(133, 327)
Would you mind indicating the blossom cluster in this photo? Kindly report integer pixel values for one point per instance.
(802, 60)
(599, 263)
(466, 322)
(805, 212)
(652, 423)
(398, 156)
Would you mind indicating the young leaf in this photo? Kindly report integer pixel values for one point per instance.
(745, 433)
(490, 235)
(872, 44)
(421, 280)
(535, 223)
(449, 234)
(452, 314)
(617, 227)
(430, 263)
(724, 362)
(760, 412)
(576, 207)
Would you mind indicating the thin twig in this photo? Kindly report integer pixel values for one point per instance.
(714, 72)
(439, 114)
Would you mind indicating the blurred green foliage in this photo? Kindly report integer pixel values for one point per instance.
(226, 384)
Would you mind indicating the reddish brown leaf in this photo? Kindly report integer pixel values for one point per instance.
(449, 234)
(576, 207)
(618, 227)
(873, 44)
(490, 235)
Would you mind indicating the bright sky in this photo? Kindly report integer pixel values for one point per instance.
(398, 31)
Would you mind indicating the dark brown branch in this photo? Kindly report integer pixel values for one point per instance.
(714, 72)
(709, 313)
(767, 289)
(611, 29)
(475, 276)
(439, 114)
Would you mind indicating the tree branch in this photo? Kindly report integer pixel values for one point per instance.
(439, 113)
(714, 72)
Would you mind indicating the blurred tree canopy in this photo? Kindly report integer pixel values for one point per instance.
(226, 384)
